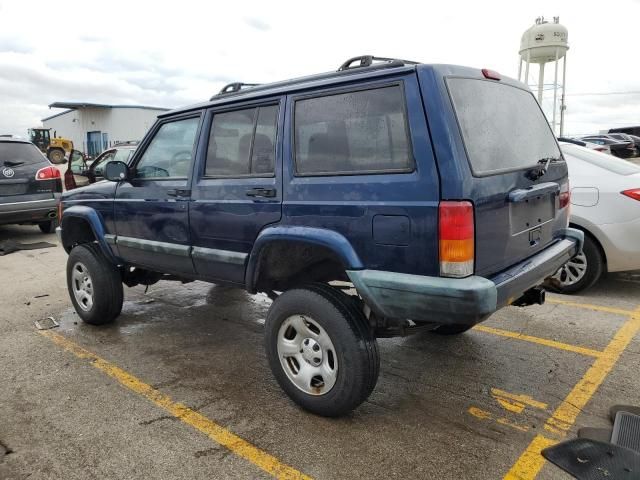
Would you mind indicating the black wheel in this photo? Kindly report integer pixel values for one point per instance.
(321, 349)
(48, 227)
(451, 329)
(95, 285)
(581, 272)
(56, 156)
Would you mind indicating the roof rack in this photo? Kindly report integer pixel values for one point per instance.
(234, 87)
(367, 61)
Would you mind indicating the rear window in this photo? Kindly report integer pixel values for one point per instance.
(602, 160)
(352, 133)
(502, 126)
(15, 154)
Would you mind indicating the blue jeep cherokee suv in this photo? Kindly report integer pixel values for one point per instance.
(367, 202)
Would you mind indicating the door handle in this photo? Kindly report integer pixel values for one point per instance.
(261, 192)
(175, 192)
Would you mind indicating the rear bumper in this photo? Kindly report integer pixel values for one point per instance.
(460, 301)
(29, 212)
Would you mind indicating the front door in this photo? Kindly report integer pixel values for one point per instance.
(237, 187)
(152, 209)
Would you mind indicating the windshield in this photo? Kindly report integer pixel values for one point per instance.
(602, 160)
(14, 153)
(502, 126)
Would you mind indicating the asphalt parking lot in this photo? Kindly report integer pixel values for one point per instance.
(180, 388)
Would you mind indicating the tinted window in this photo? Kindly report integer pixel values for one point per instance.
(355, 132)
(15, 153)
(502, 126)
(602, 160)
(242, 142)
(169, 153)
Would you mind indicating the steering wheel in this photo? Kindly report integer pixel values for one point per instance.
(182, 156)
(151, 171)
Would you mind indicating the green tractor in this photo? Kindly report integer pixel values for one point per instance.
(54, 148)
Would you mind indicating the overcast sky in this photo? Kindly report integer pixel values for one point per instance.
(175, 53)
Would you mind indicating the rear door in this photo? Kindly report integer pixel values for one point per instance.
(237, 188)
(504, 135)
(19, 163)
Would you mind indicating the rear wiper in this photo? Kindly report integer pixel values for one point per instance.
(9, 163)
(542, 167)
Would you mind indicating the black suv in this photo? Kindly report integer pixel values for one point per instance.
(438, 192)
(30, 185)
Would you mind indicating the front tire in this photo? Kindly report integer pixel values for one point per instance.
(94, 284)
(321, 350)
(56, 156)
(581, 272)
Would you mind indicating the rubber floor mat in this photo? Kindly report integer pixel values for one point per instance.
(588, 459)
(10, 246)
(599, 434)
(626, 431)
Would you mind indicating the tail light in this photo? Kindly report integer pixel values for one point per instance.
(565, 195)
(69, 180)
(633, 193)
(47, 173)
(457, 238)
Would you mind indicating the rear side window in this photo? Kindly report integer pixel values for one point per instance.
(502, 126)
(13, 154)
(242, 143)
(608, 162)
(352, 133)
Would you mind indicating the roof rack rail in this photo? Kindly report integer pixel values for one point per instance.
(367, 61)
(234, 87)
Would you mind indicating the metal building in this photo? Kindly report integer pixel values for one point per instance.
(94, 127)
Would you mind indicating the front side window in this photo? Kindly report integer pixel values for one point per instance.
(352, 133)
(170, 151)
(242, 143)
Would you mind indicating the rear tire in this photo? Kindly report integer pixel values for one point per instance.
(94, 284)
(454, 329)
(581, 272)
(48, 227)
(321, 349)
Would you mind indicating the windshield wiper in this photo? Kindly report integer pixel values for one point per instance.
(9, 163)
(542, 167)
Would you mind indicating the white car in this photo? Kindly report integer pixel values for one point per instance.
(605, 204)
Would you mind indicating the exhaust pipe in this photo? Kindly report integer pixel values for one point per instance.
(52, 214)
(533, 296)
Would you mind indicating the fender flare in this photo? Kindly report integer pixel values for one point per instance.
(323, 237)
(96, 223)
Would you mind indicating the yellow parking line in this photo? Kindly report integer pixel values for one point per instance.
(530, 462)
(215, 432)
(540, 341)
(588, 306)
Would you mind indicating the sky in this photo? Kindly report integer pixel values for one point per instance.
(170, 54)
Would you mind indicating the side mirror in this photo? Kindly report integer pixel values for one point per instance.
(116, 171)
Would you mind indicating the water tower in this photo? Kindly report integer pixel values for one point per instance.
(543, 43)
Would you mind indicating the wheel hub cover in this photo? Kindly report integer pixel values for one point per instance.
(311, 351)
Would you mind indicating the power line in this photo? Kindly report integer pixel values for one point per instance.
(585, 94)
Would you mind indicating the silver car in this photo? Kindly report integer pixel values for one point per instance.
(605, 204)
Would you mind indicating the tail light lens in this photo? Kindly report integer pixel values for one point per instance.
(457, 238)
(633, 193)
(565, 195)
(47, 173)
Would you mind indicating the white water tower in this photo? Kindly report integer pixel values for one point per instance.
(543, 43)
